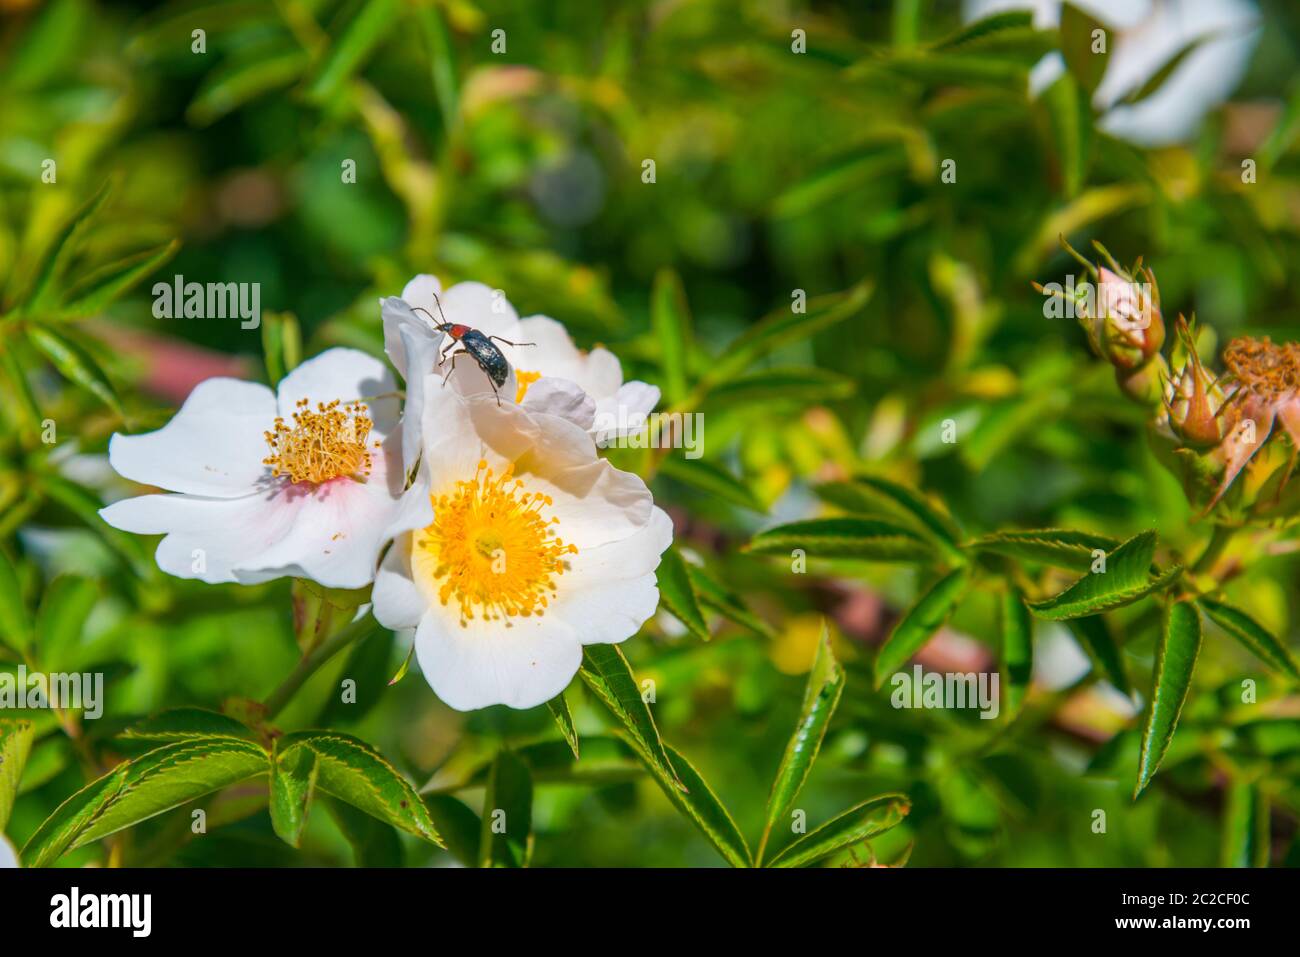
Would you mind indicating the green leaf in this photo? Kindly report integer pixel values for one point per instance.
(1180, 642)
(1097, 640)
(40, 295)
(808, 386)
(15, 745)
(442, 61)
(15, 624)
(1245, 826)
(359, 38)
(670, 319)
(237, 83)
(678, 594)
(986, 28)
(559, 709)
(962, 70)
(839, 176)
(61, 618)
(76, 364)
(862, 538)
(1254, 636)
(1069, 117)
(821, 696)
(374, 843)
(106, 284)
(71, 818)
(187, 724)
(1017, 647)
(506, 838)
(697, 802)
(860, 823)
(875, 495)
(157, 781)
(1127, 578)
(607, 673)
(782, 327)
(281, 344)
(353, 771)
(726, 603)
(711, 478)
(1158, 78)
(920, 623)
(1077, 44)
(293, 784)
(459, 826)
(1058, 547)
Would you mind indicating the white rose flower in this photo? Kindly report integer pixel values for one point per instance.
(306, 481)
(1146, 35)
(537, 546)
(549, 374)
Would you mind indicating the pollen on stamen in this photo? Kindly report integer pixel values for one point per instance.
(494, 556)
(322, 444)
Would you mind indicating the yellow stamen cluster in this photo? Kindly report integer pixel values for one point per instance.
(492, 551)
(524, 380)
(1270, 371)
(321, 445)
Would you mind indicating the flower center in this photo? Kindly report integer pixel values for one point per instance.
(321, 445)
(491, 549)
(524, 380)
(1270, 371)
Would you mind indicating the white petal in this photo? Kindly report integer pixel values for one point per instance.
(8, 856)
(480, 307)
(422, 291)
(213, 446)
(401, 323)
(346, 375)
(553, 352)
(398, 602)
(486, 663)
(563, 398)
(206, 538)
(603, 375)
(624, 412)
(609, 592)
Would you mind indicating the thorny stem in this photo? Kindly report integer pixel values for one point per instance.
(1214, 548)
(312, 661)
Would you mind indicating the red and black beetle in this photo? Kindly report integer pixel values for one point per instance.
(480, 347)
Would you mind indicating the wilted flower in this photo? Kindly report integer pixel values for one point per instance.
(301, 482)
(536, 547)
(1266, 378)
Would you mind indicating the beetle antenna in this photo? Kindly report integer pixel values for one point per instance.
(439, 304)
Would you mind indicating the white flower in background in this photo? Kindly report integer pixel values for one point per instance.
(8, 856)
(1144, 36)
(549, 375)
(537, 546)
(306, 481)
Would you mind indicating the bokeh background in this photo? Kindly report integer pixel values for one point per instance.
(775, 171)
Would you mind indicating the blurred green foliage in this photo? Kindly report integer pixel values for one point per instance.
(774, 172)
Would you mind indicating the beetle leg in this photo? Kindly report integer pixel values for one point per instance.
(494, 391)
(509, 343)
(454, 356)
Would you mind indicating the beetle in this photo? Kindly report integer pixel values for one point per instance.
(481, 348)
